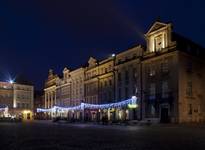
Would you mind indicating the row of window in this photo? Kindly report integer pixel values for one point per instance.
(23, 105)
(165, 90)
(127, 58)
(106, 83)
(6, 95)
(127, 92)
(91, 99)
(5, 87)
(95, 72)
(23, 88)
(23, 97)
(127, 75)
(164, 68)
(106, 96)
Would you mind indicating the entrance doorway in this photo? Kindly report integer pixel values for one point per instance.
(28, 116)
(164, 115)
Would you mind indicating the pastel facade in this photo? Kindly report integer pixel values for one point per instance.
(18, 98)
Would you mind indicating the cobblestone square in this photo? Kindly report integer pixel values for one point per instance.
(47, 135)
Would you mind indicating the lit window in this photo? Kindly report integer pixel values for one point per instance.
(158, 42)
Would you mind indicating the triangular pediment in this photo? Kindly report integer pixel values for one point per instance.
(156, 26)
(92, 61)
(66, 69)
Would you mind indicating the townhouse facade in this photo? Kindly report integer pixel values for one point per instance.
(50, 90)
(172, 80)
(128, 79)
(18, 98)
(166, 76)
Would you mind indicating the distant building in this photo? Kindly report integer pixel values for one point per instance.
(38, 102)
(6, 94)
(50, 90)
(77, 84)
(18, 98)
(91, 82)
(70, 89)
(63, 89)
(106, 80)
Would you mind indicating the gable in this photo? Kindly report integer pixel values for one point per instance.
(156, 26)
(92, 61)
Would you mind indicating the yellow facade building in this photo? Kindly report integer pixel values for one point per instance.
(18, 98)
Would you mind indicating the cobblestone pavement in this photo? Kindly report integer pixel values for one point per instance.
(44, 135)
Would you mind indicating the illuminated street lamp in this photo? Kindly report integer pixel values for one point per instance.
(134, 103)
(11, 81)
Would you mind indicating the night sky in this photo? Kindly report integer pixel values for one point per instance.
(36, 35)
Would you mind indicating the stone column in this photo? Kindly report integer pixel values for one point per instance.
(48, 100)
(52, 99)
(55, 98)
(45, 98)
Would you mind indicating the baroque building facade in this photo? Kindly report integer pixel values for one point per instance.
(128, 80)
(18, 98)
(171, 76)
(50, 90)
(63, 89)
(166, 76)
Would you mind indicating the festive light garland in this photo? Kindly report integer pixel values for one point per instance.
(82, 106)
(3, 108)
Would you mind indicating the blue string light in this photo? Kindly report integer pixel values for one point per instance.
(3, 107)
(83, 106)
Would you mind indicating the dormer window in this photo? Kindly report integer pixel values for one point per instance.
(158, 42)
(158, 37)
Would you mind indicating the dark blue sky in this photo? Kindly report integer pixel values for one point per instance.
(36, 35)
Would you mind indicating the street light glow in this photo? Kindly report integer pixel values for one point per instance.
(11, 81)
